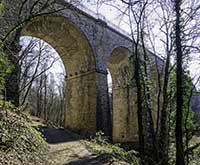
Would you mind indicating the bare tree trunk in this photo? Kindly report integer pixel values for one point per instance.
(150, 133)
(139, 106)
(137, 75)
(163, 133)
(12, 79)
(45, 97)
(179, 86)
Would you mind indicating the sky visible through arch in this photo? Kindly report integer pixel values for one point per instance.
(56, 69)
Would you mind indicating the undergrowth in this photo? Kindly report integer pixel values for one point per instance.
(20, 143)
(100, 145)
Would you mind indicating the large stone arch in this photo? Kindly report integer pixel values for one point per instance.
(77, 56)
(124, 96)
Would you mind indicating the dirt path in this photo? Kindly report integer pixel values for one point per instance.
(67, 148)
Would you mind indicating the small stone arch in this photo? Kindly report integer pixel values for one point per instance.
(78, 58)
(124, 118)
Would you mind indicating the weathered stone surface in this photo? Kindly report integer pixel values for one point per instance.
(124, 97)
(81, 103)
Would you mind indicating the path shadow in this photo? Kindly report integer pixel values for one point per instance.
(55, 136)
(97, 160)
(197, 133)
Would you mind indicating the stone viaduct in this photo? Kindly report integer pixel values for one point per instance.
(89, 46)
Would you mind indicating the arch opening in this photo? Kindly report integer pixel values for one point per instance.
(124, 120)
(42, 80)
(77, 56)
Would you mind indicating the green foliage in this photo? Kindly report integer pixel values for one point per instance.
(20, 143)
(1, 8)
(198, 152)
(194, 157)
(188, 118)
(99, 138)
(188, 115)
(5, 68)
(100, 145)
(5, 105)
